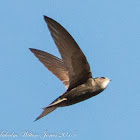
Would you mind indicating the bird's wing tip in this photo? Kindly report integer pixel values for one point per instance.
(46, 17)
(31, 49)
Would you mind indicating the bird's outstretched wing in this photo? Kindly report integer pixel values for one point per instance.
(54, 64)
(73, 58)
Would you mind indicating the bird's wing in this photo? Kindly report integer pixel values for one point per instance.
(73, 58)
(53, 64)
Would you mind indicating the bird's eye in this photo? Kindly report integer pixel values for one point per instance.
(102, 77)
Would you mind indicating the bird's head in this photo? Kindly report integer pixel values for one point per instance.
(102, 82)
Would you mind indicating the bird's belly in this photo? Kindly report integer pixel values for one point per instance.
(80, 97)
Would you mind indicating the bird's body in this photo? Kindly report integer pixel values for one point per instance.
(73, 69)
(79, 93)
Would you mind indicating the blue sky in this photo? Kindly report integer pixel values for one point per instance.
(107, 31)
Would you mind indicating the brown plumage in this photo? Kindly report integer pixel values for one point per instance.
(73, 69)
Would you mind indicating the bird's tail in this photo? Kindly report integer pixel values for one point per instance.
(46, 111)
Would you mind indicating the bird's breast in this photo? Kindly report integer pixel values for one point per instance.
(76, 97)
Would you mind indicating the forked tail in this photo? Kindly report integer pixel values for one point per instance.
(46, 111)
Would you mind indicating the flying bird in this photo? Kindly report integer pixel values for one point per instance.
(73, 69)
